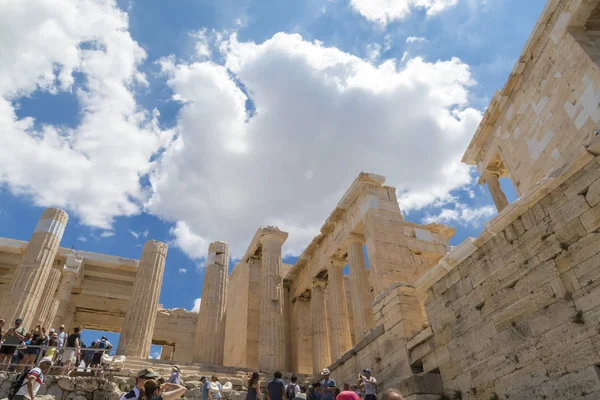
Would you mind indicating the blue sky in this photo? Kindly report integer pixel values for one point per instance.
(194, 121)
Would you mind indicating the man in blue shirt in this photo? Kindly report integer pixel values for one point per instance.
(276, 388)
(327, 386)
(205, 386)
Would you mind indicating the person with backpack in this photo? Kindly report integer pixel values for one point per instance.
(29, 381)
(292, 388)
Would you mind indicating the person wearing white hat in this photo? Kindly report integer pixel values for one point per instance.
(34, 380)
(328, 386)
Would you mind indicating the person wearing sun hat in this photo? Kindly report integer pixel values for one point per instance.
(138, 390)
(175, 377)
(328, 385)
(34, 380)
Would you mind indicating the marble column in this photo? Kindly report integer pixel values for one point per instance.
(70, 275)
(22, 298)
(496, 191)
(47, 299)
(210, 331)
(340, 337)
(271, 338)
(138, 326)
(320, 342)
(362, 302)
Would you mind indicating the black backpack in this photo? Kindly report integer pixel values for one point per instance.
(18, 383)
(290, 392)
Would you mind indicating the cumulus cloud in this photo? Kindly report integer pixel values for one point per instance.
(93, 169)
(196, 307)
(272, 136)
(320, 117)
(182, 271)
(384, 12)
(191, 244)
(463, 215)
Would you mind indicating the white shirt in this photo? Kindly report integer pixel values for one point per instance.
(132, 394)
(370, 385)
(62, 336)
(37, 382)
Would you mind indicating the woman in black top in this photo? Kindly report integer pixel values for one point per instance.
(253, 387)
(34, 347)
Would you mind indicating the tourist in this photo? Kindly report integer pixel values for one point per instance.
(327, 386)
(33, 348)
(369, 384)
(34, 380)
(346, 386)
(205, 385)
(347, 395)
(72, 350)
(106, 346)
(13, 337)
(138, 390)
(52, 347)
(355, 389)
(214, 388)
(317, 387)
(175, 375)
(62, 339)
(89, 355)
(292, 388)
(253, 386)
(167, 391)
(276, 388)
(311, 394)
(392, 394)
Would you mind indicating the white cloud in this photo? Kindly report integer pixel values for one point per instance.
(82, 238)
(463, 215)
(93, 169)
(373, 52)
(415, 39)
(318, 109)
(106, 234)
(182, 271)
(384, 12)
(196, 307)
(137, 235)
(191, 244)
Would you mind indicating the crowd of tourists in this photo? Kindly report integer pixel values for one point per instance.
(36, 352)
(325, 389)
(21, 348)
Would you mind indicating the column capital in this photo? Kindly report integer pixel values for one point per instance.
(355, 238)
(318, 283)
(73, 263)
(336, 262)
(272, 233)
(154, 246)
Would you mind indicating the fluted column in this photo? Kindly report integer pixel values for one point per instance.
(320, 342)
(498, 195)
(362, 303)
(47, 299)
(22, 298)
(69, 278)
(210, 331)
(271, 342)
(138, 326)
(340, 328)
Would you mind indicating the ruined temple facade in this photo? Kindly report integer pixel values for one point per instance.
(513, 313)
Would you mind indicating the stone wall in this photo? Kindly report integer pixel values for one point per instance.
(384, 350)
(177, 328)
(519, 317)
(549, 106)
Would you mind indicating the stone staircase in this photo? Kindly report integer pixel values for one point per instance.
(191, 373)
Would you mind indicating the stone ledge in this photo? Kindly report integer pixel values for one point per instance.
(371, 336)
(420, 338)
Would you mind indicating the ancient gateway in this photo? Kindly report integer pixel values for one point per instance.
(513, 313)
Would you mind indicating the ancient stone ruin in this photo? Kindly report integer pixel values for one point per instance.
(513, 313)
